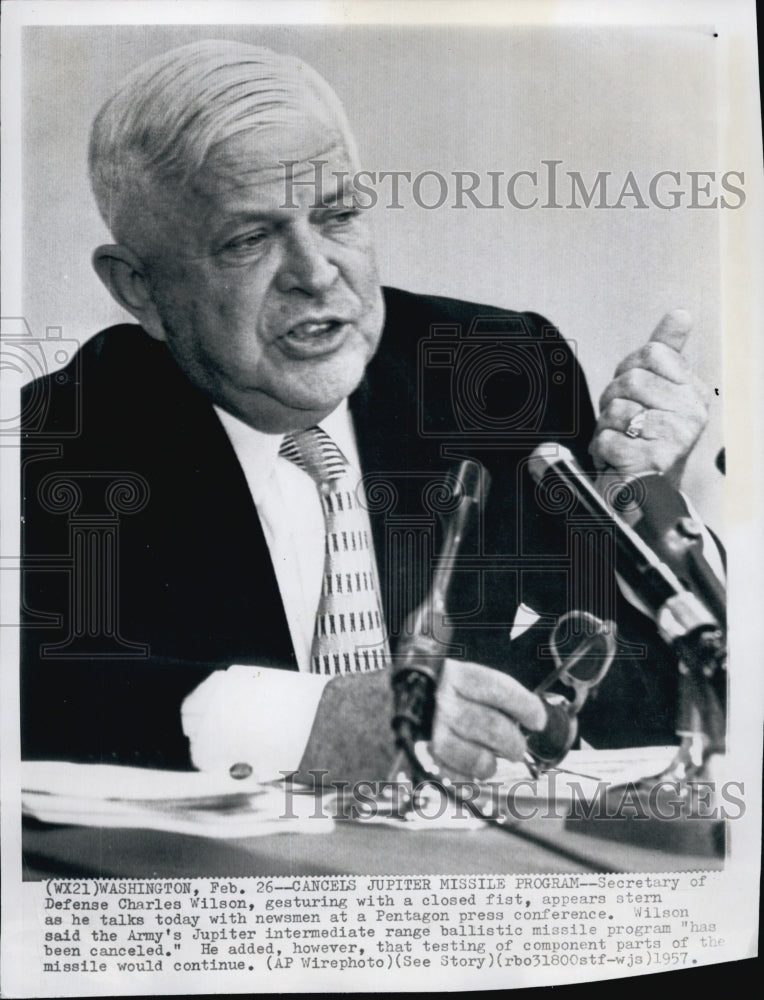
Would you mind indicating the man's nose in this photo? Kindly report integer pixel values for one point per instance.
(306, 266)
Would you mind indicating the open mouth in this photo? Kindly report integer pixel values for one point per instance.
(310, 339)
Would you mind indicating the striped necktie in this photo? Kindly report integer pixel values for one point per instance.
(350, 631)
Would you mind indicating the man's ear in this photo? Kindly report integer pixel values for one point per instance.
(123, 274)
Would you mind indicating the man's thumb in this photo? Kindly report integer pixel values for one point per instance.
(673, 329)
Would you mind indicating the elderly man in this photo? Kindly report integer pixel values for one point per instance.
(269, 373)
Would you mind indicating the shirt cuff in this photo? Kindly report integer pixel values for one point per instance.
(257, 716)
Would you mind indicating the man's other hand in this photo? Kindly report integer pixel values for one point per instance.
(478, 715)
(654, 410)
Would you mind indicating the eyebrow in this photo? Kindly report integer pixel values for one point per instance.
(245, 218)
(342, 194)
(331, 199)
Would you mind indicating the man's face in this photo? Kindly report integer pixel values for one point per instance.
(273, 311)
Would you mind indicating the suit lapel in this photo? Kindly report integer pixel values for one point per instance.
(239, 582)
(397, 464)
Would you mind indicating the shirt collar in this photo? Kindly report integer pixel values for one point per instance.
(339, 426)
(258, 450)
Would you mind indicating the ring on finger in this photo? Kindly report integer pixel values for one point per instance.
(636, 424)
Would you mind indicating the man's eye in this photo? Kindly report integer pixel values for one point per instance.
(246, 242)
(344, 216)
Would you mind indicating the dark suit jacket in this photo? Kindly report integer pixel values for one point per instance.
(146, 567)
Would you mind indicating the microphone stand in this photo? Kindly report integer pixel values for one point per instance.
(419, 659)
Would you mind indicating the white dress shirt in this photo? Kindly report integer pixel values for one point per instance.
(238, 715)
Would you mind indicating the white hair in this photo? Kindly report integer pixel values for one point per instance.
(169, 113)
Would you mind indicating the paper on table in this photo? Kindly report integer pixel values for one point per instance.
(111, 781)
(209, 805)
(582, 777)
(585, 770)
(216, 805)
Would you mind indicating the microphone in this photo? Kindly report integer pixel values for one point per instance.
(672, 580)
(683, 614)
(419, 658)
(660, 516)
